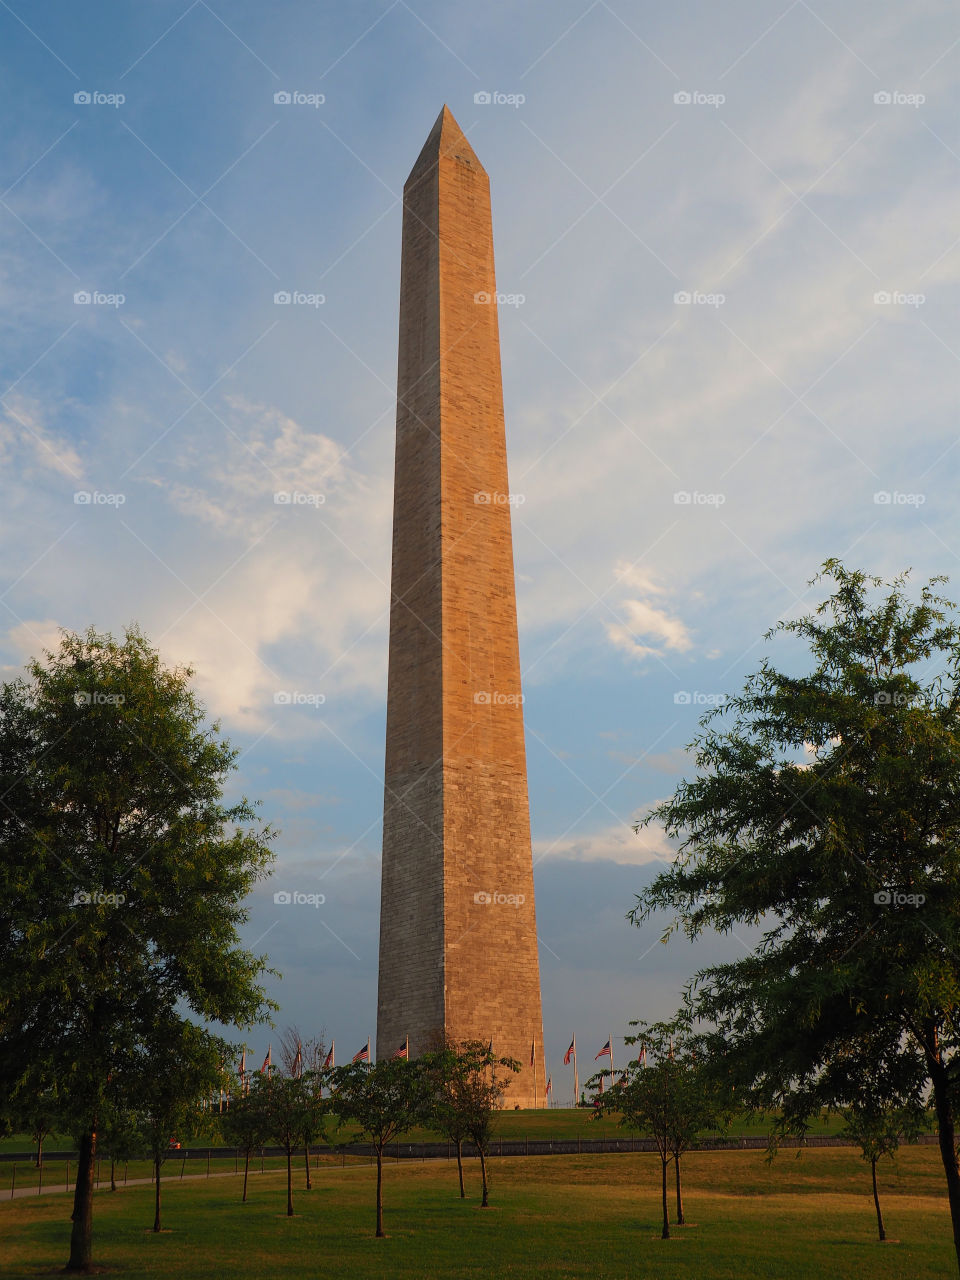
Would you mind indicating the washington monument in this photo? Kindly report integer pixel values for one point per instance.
(458, 938)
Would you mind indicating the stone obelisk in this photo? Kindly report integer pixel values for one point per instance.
(458, 938)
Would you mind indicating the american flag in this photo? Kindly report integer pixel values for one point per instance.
(569, 1054)
(402, 1051)
(605, 1050)
(549, 1085)
(266, 1061)
(363, 1055)
(328, 1060)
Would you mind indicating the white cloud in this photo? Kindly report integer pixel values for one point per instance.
(619, 843)
(647, 630)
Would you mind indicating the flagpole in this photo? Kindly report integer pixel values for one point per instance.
(576, 1076)
(613, 1078)
(407, 1054)
(368, 1052)
(533, 1059)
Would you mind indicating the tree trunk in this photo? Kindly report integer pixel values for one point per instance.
(379, 1190)
(460, 1167)
(40, 1151)
(113, 1173)
(483, 1174)
(289, 1182)
(306, 1162)
(676, 1167)
(946, 1135)
(156, 1178)
(876, 1198)
(246, 1172)
(81, 1236)
(665, 1233)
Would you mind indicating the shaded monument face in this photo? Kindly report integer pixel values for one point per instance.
(458, 940)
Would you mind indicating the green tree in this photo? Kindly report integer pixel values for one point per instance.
(122, 881)
(444, 1066)
(291, 1105)
(826, 813)
(305, 1059)
(384, 1101)
(878, 1130)
(479, 1086)
(245, 1124)
(119, 1138)
(666, 1093)
(183, 1069)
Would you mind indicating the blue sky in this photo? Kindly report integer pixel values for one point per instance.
(781, 165)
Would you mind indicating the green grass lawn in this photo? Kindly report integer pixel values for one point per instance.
(553, 1216)
(554, 1123)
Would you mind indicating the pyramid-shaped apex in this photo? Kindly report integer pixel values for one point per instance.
(446, 138)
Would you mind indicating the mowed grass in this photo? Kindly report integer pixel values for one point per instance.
(551, 1216)
(556, 1122)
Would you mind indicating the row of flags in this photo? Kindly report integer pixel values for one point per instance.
(363, 1055)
